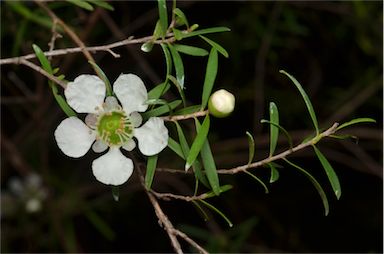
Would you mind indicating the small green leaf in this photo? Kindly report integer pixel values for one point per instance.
(182, 139)
(157, 33)
(162, 5)
(332, 177)
(274, 131)
(42, 59)
(151, 169)
(217, 211)
(190, 50)
(161, 110)
(201, 210)
(103, 77)
(177, 33)
(198, 142)
(205, 31)
(223, 188)
(81, 3)
(147, 47)
(342, 137)
(217, 46)
(102, 4)
(158, 90)
(176, 147)
(258, 180)
(179, 67)
(179, 88)
(188, 110)
(306, 99)
(356, 121)
(181, 17)
(285, 132)
(115, 193)
(274, 173)
(315, 184)
(168, 59)
(210, 76)
(251, 147)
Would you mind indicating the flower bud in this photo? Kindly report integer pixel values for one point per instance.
(221, 103)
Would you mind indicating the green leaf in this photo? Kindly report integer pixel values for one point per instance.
(315, 184)
(181, 17)
(177, 33)
(342, 137)
(24, 11)
(158, 90)
(198, 143)
(217, 211)
(356, 121)
(190, 50)
(62, 102)
(188, 110)
(251, 147)
(223, 188)
(182, 139)
(161, 110)
(306, 99)
(115, 193)
(209, 162)
(147, 47)
(102, 4)
(205, 31)
(42, 59)
(81, 3)
(285, 132)
(162, 5)
(179, 67)
(258, 180)
(103, 77)
(217, 46)
(176, 147)
(210, 76)
(274, 131)
(201, 210)
(274, 173)
(179, 88)
(332, 177)
(151, 169)
(168, 59)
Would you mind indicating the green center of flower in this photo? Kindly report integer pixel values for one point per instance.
(115, 128)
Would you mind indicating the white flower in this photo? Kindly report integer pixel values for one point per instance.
(110, 125)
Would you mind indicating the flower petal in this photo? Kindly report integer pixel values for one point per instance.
(131, 92)
(136, 119)
(99, 146)
(73, 137)
(129, 146)
(85, 94)
(113, 167)
(152, 136)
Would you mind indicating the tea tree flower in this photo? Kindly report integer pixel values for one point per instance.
(110, 125)
(221, 103)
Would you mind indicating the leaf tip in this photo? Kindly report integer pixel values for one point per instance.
(187, 166)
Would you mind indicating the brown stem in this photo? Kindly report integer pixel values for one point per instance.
(184, 117)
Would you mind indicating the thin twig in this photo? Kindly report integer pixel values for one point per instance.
(184, 117)
(169, 196)
(43, 72)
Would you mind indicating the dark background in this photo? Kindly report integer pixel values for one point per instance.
(333, 48)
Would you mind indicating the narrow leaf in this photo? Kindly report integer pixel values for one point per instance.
(158, 90)
(251, 147)
(217, 211)
(42, 59)
(81, 3)
(162, 5)
(181, 17)
(190, 50)
(198, 142)
(332, 177)
(147, 47)
(217, 46)
(103, 77)
(179, 89)
(161, 110)
(102, 4)
(188, 110)
(223, 188)
(168, 59)
(201, 210)
(306, 99)
(151, 169)
(210, 76)
(179, 67)
(206, 31)
(183, 141)
(274, 173)
(356, 121)
(258, 180)
(285, 132)
(176, 147)
(274, 131)
(315, 184)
